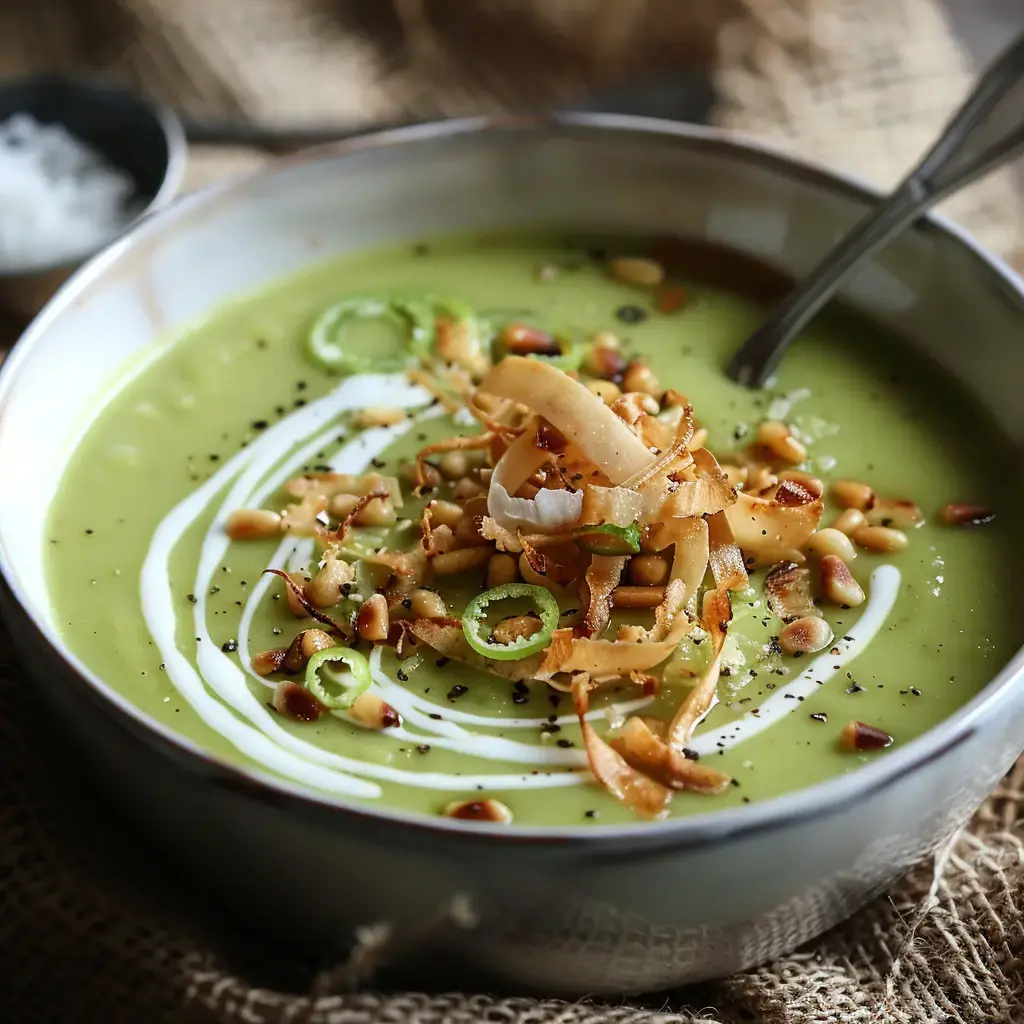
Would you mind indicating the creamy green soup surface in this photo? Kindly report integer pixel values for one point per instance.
(154, 595)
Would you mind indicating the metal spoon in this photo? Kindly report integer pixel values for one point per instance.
(984, 133)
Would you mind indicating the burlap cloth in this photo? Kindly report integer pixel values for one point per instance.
(94, 927)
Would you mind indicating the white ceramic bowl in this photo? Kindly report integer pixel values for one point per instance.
(614, 909)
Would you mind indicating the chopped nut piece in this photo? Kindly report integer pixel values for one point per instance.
(648, 570)
(958, 514)
(853, 494)
(779, 440)
(849, 520)
(861, 736)
(806, 635)
(479, 810)
(373, 621)
(831, 541)
(501, 569)
(253, 524)
(266, 662)
(838, 584)
(296, 702)
(373, 712)
(304, 646)
(378, 417)
(882, 539)
(636, 270)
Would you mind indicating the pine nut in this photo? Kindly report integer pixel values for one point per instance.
(806, 480)
(640, 377)
(324, 590)
(501, 569)
(831, 541)
(515, 627)
(779, 440)
(373, 621)
(445, 513)
(904, 515)
(467, 487)
(699, 439)
(304, 646)
(341, 505)
(736, 475)
(442, 539)
(861, 736)
(296, 702)
(377, 417)
(252, 524)
(373, 712)
(759, 478)
(479, 810)
(648, 570)
(838, 584)
(379, 512)
(637, 597)
(636, 270)
(525, 340)
(849, 520)
(461, 560)
(883, 539)
(672, 399)
(266, 662)
(604, 360)
(427, 605)
(529, 574)
(453, 465)
(605, 390)
(294, 605)
(853, 494)
(958, 514)
(805, 636)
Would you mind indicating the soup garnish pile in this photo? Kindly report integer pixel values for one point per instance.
(470, 512)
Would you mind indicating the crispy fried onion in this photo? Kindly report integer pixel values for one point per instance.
(548, 510)
(644, 796)
(788, 589)
(447, 638)
(575, 412)
(299, 594)
(768, 530)
(715, 617)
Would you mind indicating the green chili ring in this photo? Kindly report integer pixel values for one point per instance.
(608, 539)
(523, 647)
(360, 673)
(412, 319)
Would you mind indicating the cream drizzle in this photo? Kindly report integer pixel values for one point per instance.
(220, 692)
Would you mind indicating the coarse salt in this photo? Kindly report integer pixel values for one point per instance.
(59, 198)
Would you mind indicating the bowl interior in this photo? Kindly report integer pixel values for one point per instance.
(597, 174)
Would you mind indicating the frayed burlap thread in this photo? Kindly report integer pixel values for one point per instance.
(94, 925)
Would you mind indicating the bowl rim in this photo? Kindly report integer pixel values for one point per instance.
(174, 171)
(821, 799)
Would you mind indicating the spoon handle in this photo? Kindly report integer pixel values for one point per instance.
(986, 131)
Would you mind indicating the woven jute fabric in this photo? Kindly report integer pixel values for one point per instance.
(94, 925)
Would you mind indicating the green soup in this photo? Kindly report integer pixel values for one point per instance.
(151, 593)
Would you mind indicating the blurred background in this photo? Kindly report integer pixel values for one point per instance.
(859, 84)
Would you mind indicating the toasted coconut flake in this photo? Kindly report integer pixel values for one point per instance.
(601, 578)
(647, 798)
(646, 752)
(764, 526)
(788, 589)
(689, 565)
(715, 617)
(724, 555)
(567, 404)
(616, 505)
(668, 458)
(601, 658)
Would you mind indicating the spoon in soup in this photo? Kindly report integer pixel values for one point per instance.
(985, 132)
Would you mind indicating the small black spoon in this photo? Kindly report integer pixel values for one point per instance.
(984, 133)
